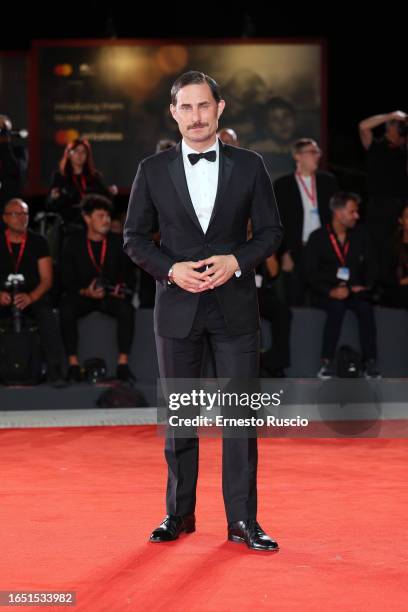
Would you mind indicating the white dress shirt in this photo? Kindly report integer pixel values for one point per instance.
(202, 182)
(311, 219)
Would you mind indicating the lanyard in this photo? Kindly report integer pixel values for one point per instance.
(81, 186)
(20, 252)
(311, 195)
(341, 252)
(92, 256)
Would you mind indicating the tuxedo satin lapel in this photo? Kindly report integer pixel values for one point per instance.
(224, 174)
(178, 176)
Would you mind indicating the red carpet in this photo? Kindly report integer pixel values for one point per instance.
(78, 504)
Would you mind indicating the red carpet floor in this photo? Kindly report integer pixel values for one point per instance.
(78, 504)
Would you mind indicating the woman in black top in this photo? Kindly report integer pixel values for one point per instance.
(76, 177)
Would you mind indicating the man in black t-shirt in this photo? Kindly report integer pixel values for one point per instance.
(25, 253)
(387, 172)
(88, 258)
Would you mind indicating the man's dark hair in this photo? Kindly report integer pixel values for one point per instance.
(340, 199)
(93, 202)
(194, 77)
(301, 143)
(392, 122)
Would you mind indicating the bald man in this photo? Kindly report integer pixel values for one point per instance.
(228, 136)
(26, 253)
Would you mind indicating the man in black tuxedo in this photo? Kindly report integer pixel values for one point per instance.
(303, 198)
(201, 194)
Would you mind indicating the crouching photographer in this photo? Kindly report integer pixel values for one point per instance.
(25, 279)
(97, 276)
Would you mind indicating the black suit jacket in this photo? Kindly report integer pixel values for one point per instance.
(290, 205)
(160, 198)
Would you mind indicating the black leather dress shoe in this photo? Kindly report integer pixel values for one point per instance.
(251, 533)
(172, 526)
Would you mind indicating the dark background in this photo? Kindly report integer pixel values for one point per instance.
(366, 49)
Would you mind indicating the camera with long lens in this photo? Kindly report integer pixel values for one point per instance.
(103, 283)
(14, 285)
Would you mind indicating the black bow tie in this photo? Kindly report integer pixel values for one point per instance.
(195, 157)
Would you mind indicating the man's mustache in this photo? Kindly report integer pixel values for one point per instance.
(197, 125)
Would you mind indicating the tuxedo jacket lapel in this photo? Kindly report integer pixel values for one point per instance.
(178, 176)
(224, 173)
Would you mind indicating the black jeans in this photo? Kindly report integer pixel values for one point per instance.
(41, 313)
(76, 306)
(364, 311)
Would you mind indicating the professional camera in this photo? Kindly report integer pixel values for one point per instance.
(103, 283)
(14, 285)
(6, 133)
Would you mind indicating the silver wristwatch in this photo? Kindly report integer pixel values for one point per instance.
(169, 276)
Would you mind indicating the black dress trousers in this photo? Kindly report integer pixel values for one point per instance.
(235, 357)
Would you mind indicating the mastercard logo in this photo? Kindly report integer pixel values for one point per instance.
(63, 70)
(63, 137)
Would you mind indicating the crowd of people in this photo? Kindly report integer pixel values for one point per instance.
(334, 255)
(330, 257)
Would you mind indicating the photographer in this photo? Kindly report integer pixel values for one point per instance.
(387, 172)
(25, 253)
(13, 164)
(342, 268)
(94, 269)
